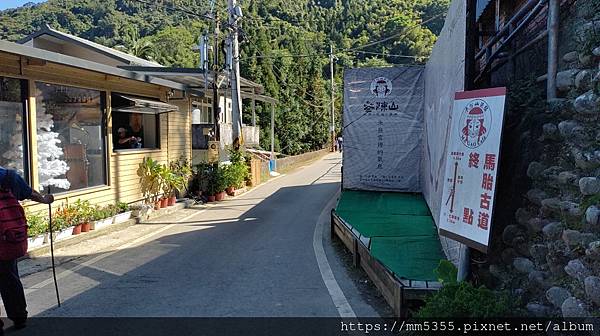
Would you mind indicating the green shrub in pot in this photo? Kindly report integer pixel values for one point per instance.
(122, 207)
(37, 224)
(151, 182)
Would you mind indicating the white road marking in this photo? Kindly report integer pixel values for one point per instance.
(337, 295)
(94, 260)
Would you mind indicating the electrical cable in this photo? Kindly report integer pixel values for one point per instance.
(387, 55)
(174, 8)
(279, 77)
(400, 34)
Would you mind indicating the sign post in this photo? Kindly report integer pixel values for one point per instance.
(472, 167)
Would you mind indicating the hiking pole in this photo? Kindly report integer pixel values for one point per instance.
(52, 249)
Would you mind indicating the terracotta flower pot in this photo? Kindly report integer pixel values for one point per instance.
(86, 227)
(157, 205)
(211, 198)
(164, 202)
(172, 200)
(77, 229)
(230, 191)
(220, 196)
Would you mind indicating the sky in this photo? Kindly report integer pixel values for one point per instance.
(4, 4)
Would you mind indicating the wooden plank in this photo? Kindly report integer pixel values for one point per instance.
(345, 237)
(108, 135)
(377, 275)
(31, 136)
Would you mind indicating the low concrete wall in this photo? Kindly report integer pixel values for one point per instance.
(290, 162)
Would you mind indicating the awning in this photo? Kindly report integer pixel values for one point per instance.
(193, 78)
(124, 103)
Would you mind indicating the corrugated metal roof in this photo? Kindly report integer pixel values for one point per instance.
(124, 57)
(18, 49)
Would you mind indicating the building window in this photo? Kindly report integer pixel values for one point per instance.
(202, 113)
(70, 137)
(134, 130)
(202, 123)
(13, 123)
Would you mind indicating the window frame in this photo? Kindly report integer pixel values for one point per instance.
(103, 136)
(26, 135)
(202, 105)
(158, 144)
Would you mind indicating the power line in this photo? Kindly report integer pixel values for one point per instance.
(279, 77)
(387, 55)
(174, 8)
(275, 18)
(325, 110)
(283, 56)
(400, 34)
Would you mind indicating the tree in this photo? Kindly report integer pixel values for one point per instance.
(136, 46)
(50, 166)
(274, 34)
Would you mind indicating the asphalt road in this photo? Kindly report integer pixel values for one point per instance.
(266, 253)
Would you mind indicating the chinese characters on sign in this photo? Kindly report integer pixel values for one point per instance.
(383, 125)
(472, 166)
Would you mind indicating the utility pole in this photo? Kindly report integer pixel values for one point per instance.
(215, 67)
(332, 128)
(235, 14)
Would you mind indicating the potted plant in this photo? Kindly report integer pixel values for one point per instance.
(96, 216)
(149, 172)
(209, 180)
(170, 183)
(102, 218)
(238, 171)
(239, 174)
(211, 190)
(37, 227)
(201, 179)
(123, 212)
(220, 183)
(84, 213)
(65, 222)
(111, 211)
(183, 173)
(228, 172)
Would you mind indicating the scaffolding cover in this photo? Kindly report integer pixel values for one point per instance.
(444, 75)
(383, 128)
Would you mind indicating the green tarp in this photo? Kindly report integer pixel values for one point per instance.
(402, 231)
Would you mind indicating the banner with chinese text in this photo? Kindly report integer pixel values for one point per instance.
(472, 166)
(383, 128)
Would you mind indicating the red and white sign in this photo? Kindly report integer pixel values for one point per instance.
(472, 166)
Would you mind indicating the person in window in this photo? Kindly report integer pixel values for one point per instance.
(13, 188)
(136, 128)
(125, 141)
